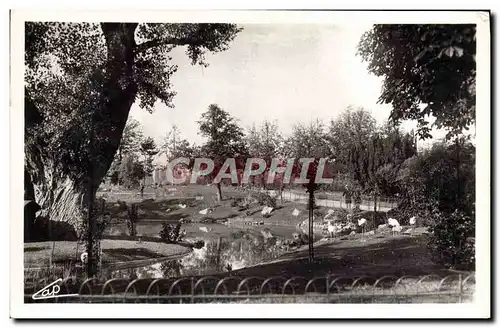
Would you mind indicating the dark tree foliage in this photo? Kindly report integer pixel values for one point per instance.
(225, 139)
(438, 186)
(80, 83)
(386, 152)
(444, 174)
(350, 133)
(130, 172)
(176, 147)
(370, 156)
(148, 149)
(307, 141)
(452, 240)
(81, 80)
(264, 142)
(428, 70)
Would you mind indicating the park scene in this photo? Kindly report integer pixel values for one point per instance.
(213, 163)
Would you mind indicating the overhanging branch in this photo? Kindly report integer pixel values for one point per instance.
(168, 41)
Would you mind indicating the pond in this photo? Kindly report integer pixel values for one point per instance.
(239, 249)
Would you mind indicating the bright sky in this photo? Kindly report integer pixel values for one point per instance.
(289, 73)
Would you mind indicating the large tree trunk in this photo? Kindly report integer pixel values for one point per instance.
(61, 191)
(66, 192)
(59, 196)
(60, 199)
(29, 191)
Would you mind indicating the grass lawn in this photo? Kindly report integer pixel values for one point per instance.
(377, 257)
(39, 254)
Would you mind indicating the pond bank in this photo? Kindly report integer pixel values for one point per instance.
(113, 251)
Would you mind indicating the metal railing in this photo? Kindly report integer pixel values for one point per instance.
(278, 289)
(325, 199)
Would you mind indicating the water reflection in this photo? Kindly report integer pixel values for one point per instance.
(239, 250)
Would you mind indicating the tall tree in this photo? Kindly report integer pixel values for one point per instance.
(184, 148)
(225, 139)
(429, 65)
(349, 137)
(171, 142)
(174, 146)
(131, 138)
(370, 155)
(81, 81)
(131, 171)
(387, 150)
(253, 141)
(148, 151)
(130, 143)
(265, 142)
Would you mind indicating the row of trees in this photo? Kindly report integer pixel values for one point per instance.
(362, 155)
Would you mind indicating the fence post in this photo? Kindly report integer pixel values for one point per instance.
(219, 242)
(460, 288)
(328, 288)
(192, 290)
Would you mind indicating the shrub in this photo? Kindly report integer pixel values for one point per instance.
(357, 199)
(265, 199)
(45, 230)
(171, 233)
(373, 220)
(199, 244)
(236, 202)
(451, 240)
(356, 210)
(341, 213)
(319, 213)
(423, 211)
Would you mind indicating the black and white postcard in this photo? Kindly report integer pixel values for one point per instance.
(250, 164)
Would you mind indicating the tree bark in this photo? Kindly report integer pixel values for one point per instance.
(61, 195)
(29, 191)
